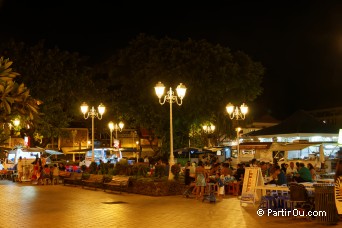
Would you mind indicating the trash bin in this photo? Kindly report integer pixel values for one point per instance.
(325, 201)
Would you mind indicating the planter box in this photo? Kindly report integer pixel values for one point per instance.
(149, 187)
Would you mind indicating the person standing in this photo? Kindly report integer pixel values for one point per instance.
(201, 177)
(187, 178)
(20, 169)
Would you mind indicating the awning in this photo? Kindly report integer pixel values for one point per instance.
(53, 152)
(291, 146)
(255, 145)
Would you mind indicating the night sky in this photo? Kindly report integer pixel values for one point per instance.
(299, 44)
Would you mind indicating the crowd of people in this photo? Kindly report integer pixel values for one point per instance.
(275, 174)
(211, 169)
(39, 171)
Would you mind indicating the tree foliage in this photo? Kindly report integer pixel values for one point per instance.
(212, 74)
(15, 100)
(60, 79)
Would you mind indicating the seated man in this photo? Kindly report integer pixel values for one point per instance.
(277, 176)
(303, 174)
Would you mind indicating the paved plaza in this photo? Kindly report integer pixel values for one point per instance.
(26, 205)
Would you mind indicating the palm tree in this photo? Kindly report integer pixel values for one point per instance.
(15, 100)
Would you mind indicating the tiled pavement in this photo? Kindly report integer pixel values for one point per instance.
(26, 205)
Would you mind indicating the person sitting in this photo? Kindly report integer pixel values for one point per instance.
(61, 167)
(291, 169)
(240, 172)
(283, 167)
(215, 169)
(264, 169)
(225, 171)
(303, 174)
(312, 171)
(46, 171)
(277, 176)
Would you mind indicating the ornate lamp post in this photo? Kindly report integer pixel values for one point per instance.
(92, 113)
(16, 122)
(111, 128)
(238, 129)
(237, 113)
(120, 127)
(209, 129)
(171, 98)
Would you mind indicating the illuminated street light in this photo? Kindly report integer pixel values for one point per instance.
(92, 113)
(209, 129)
(236, 112)
(111, 128)
(16, 122)
(171, 98)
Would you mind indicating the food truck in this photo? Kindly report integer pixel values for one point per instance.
(106, 154)
(28, 155)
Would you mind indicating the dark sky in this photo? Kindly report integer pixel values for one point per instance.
(298, 42)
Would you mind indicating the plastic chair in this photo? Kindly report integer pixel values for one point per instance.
(299, 198)
(267, 202)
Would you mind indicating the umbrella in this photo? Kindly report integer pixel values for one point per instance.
(34, 149)
(53, 152)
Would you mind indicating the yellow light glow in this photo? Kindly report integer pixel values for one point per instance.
(230, 108)
(111, 125)
(84, 108)
(181, 90)
(159, 88)
(101, 109)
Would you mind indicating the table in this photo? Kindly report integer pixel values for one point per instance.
(308, 184)
(263, 189)
(271, 188)
(326, 180)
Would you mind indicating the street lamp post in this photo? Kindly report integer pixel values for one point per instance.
(120, 127)
(171, 98)
(238, 129)
(111, 128)
(237, 113)
(208, 128)
(92, 113)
